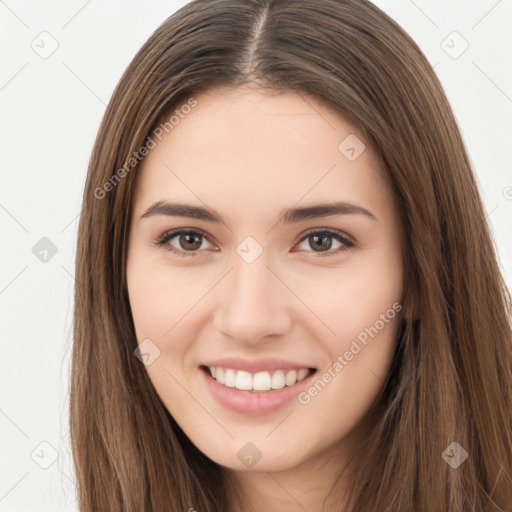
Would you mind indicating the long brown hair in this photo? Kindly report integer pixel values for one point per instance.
(451, 380)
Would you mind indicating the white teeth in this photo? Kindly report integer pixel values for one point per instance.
(302, 373)
(243, 380)
(278, 380)
(261, 381)
(220, 375)
(291, 378)
(230, 378)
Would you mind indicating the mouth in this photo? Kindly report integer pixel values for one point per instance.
(258, 382)
(255, 394)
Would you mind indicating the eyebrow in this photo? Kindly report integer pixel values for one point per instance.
(288, 216)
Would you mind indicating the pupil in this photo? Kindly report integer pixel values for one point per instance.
(317, 238)
(186, 238)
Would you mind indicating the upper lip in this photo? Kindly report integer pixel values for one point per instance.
(256, 365)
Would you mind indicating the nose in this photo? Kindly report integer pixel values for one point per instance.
(252, 306)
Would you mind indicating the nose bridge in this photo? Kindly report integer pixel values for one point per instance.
(250, 307)
(251, 282)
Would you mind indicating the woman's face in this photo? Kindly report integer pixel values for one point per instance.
(288, 258)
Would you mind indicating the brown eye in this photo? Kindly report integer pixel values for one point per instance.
(184, 242)
(189, 241)
(322, 241)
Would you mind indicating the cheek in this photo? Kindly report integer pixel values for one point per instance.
(160, 296)
(165, 304)
(354, 299)
(159, 302)
(362, 309)
(360, 359)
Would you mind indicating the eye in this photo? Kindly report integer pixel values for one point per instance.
(323, 240)
(190, 242)
(188, 239)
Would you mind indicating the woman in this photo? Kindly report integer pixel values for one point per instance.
(220, 362)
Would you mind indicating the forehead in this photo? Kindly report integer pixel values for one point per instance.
(246, 149)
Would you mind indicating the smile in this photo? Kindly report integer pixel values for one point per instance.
(258, 392)
(260, 381)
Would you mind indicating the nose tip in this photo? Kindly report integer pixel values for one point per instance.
(251, 304)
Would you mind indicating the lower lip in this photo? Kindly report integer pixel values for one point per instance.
(254, 403)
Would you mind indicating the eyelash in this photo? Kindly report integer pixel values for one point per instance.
(334, 233)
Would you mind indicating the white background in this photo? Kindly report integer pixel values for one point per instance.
(50, 111)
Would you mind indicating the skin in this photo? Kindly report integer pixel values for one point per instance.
(248, 154)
